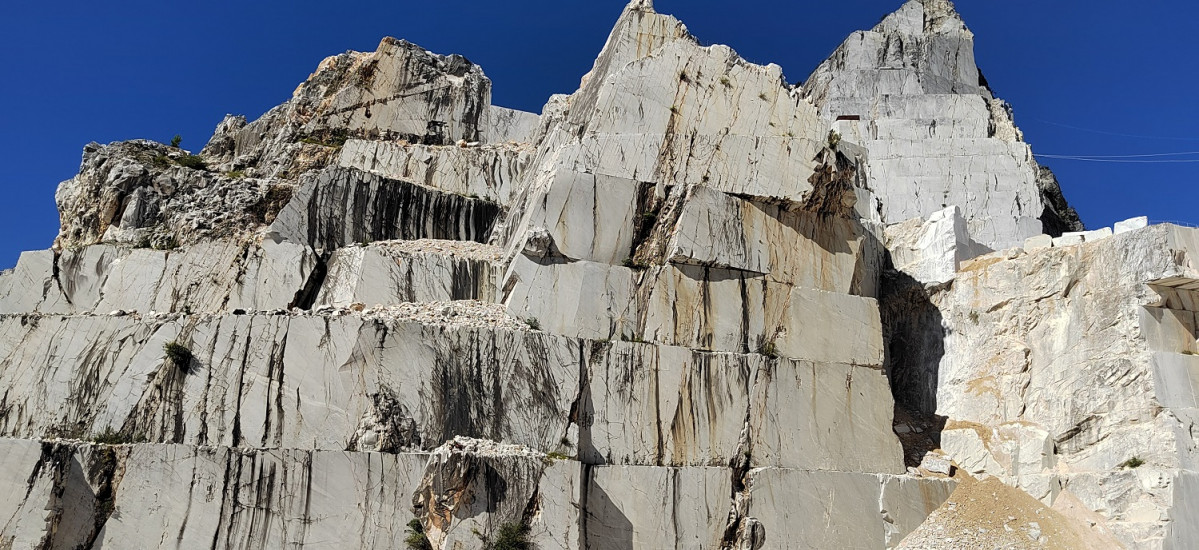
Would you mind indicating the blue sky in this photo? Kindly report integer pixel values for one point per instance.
(1085, 78)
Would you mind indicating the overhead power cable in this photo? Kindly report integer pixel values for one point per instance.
(1181, 154)
(1117, 159)
(1121, 134)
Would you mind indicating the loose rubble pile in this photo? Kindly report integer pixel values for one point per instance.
(689, 305)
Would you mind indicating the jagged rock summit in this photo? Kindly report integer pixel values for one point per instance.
(687, 305)
(909, 91)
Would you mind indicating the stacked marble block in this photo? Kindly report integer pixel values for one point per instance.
(680, 344)
(1071, 238)
(215, 457)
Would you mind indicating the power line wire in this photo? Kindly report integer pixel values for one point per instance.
(1121, 134)
(1180, 154)
(1117, 159)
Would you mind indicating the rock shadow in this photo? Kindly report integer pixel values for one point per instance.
(914, 343)
(604, 527)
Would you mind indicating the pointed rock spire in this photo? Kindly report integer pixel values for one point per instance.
(641, 5)
(909, 89)
(937, 13)
(638, 33)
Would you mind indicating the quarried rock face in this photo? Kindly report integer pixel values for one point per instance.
(1066, 372)
(909, 91)
(689, 305)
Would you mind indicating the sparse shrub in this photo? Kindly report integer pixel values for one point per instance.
(416, 539)
(1134, 462)
(551, 457)
(178, 354)
(834, 139)
(683, 77)
(512, 536)
(162, 161)
(725, 80)
(762, 96)
(674, 109)
(175, 141)
(110, 437)
(769, 350)
(533, 323)
(192, 161)
(565, 442)
(235, 174)
(335, 138)
(974, 317)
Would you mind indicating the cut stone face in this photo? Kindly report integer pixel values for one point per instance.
(689, 305)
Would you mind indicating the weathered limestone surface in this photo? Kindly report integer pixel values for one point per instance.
(589, 217)
(704, 408)
(210, 276)
(138, 192)
(704, 308)
(68, 495)
(491, 172)
(829, 509)
(266, 380)
(389, 272)
(471, 488)
(782, 241)
(399, 91)
(341, 206)
(129, 495)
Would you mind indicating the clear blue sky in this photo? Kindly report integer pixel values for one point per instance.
(1101, 77)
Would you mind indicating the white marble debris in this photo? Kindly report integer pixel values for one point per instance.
(1131, 224)
(932, 250)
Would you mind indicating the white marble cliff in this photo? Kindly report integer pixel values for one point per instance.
(689, 305)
